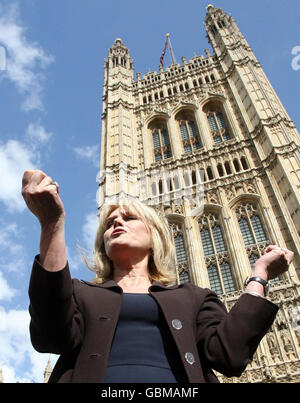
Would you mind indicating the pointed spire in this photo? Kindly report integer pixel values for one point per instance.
(119, 55)
(209, 7)
(48, 370)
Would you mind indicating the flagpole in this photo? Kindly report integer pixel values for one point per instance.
(171, 49)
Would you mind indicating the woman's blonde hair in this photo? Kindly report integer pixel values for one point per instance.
(161, 263)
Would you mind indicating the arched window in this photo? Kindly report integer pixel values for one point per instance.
(160, 139)
(217, 122)
(115, 61)
(244, 163)
(189, 131)
(183, 275)
(236, 165)
(220, 170)
(250, 224)
(194, 178)
(218, 127)
(209, 173)
(216, 254)
(252, 230)
(160, 187)
(227, 167)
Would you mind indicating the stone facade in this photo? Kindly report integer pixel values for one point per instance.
(217, 117)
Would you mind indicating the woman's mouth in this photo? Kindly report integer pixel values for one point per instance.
(118, 232)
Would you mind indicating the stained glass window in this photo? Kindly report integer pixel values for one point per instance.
(252, 230)
(161, 143)
(216, 255)
(218, 127)
(190, 136)
(182, 268)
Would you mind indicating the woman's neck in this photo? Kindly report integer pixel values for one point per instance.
(133, 278)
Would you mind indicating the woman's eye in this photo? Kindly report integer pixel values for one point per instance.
(131, 218)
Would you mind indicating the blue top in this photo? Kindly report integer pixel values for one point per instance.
(143, 350)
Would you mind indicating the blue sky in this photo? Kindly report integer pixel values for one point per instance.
(50, 116)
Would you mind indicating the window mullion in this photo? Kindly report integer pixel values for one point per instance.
(212, 237)
(220, 274)
(215, 254)
(177, 271)
(251, 229)
(161, 144)
(217, 124)
(189, 134)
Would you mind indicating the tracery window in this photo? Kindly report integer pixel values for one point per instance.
(251, 227)
(183, 275)
(189, 132)
(161, 141)
(216, 255)
(252, 230)
(218, 126)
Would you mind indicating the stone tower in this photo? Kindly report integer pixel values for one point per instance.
(214, 120)
(119, 144)
(47, 371)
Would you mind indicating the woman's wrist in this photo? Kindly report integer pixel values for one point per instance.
(53, 255)
(255, 286)
(260, 271)
(53, 224)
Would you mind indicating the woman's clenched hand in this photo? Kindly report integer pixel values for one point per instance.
(42, 197)
(274, 261)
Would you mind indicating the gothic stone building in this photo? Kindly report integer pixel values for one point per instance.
(217, 117)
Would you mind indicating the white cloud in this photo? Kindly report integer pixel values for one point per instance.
(6, 292)
(85, 246)
(89, 230)
(90, 153)
(19, 361)
(74, 259)
(37, 133)
(24, 59)
(15, 158)
(12, 253)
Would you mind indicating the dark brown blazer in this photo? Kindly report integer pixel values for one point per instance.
(77, 320)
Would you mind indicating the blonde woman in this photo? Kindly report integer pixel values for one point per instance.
(132, 323)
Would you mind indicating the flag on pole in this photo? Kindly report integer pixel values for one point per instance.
(163, 53)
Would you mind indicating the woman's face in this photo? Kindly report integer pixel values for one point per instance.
(126, 236)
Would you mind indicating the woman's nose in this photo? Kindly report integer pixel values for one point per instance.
(118, 221)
